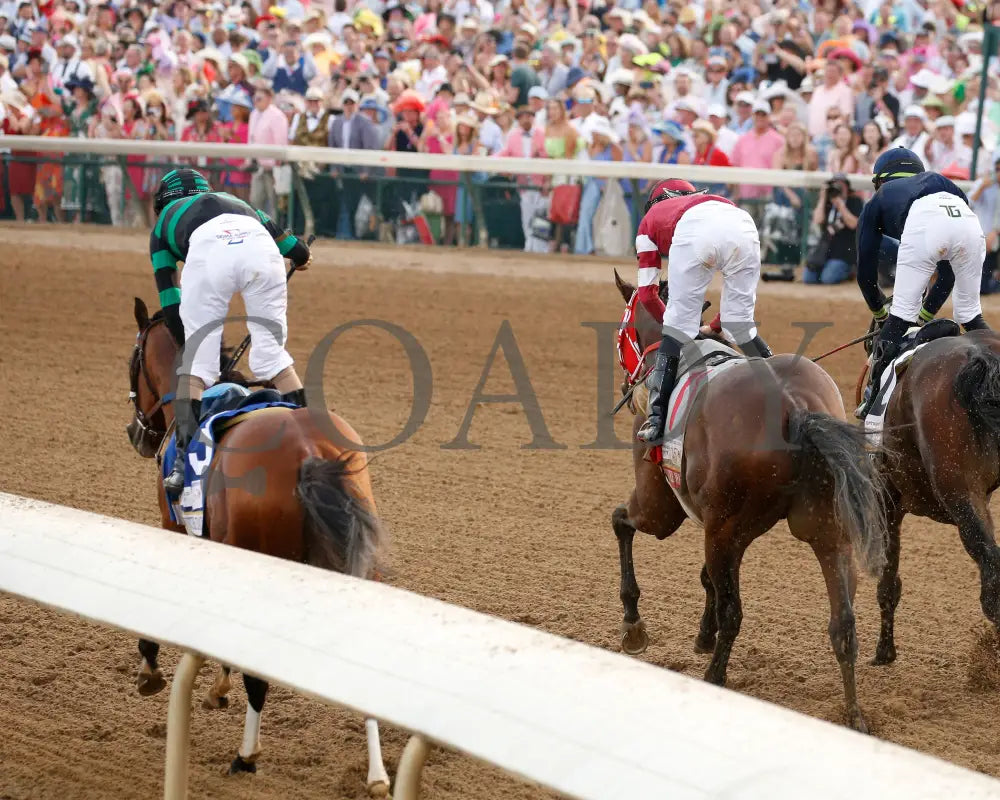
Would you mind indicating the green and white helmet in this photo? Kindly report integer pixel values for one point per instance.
(179, 183)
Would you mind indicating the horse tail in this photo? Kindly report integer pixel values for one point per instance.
(977, 387)
(835, 450)
(342, 532)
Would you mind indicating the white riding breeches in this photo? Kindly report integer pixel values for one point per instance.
(227, 255)
(939, 227)
(713, 237)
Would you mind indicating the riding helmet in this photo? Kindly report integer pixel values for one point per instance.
(664, 190)
(897, 162)
(179, 183)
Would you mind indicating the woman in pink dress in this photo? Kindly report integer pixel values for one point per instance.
(438, 139)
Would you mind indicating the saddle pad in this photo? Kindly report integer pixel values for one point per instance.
(189, 509)
(689, 385)
(875, 420)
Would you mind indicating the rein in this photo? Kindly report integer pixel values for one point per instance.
(137, 368)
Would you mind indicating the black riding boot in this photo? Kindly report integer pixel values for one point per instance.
(660, 384)
(187, 427)
(884, 352)
(756, 347)
(296, 396)
(977, 323)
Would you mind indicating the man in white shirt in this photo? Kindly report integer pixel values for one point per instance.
(914, 135)
(69, 66)
(433, 73)
(944, 150)
(725, 138)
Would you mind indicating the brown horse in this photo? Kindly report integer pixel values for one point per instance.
(942, 429)
(278, 486)
(766, 440)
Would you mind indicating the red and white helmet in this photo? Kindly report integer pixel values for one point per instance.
(664, 190)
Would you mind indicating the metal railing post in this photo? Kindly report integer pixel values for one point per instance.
(179, 727)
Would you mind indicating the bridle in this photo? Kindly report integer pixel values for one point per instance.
(137, 367)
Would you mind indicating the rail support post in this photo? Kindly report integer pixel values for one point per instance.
(179, 727)
(411, 765)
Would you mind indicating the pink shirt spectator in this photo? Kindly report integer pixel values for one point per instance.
(757, 150)
(524, 145)
(269, 126)
(822, 100)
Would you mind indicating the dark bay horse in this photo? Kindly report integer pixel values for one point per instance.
(766, 440)
(278, 486)
(942, 429)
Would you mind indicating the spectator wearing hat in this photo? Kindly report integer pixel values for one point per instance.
(439, 139)
(945, 150)
(743, 117)
(354, 131)
(552, 73)
(725, 137)
(537, 100)
(20, 120)
(716, 82)
(914, 135)
(79, 107)
(237, 131)
(268, 126)
(68, 66)
(490, 134)
(757, 148)
(467, 143)
(985, 201)
(673, 147)
(833, 93)
(604, 145)
(526, 140)
(432, 73)
(201, 127)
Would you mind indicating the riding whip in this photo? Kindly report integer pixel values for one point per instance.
(239, 351)
(851, 343)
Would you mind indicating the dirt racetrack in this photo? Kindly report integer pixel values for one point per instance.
(521, 533)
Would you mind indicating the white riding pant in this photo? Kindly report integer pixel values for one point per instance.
(227, 255)
(713, 237)
(939, 227)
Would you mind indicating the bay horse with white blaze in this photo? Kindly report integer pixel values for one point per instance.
(766, 440)
(942, 431)
(315, 504)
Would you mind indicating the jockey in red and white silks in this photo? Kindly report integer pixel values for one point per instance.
(700, 234)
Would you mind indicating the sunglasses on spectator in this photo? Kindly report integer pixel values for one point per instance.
(833, 116)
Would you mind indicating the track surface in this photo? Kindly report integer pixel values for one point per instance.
(520, 533)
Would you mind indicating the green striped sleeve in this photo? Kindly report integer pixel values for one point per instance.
(286, 243)
(926, 315)
(264, 218)
(170, 297)
(172, 225)
(164, 259)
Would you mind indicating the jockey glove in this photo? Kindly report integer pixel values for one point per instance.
(299, 254)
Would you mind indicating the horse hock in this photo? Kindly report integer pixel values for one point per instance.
(634, 639)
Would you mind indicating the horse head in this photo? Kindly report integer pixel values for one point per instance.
(151, 381)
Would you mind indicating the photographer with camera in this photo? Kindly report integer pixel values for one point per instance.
(832, 259)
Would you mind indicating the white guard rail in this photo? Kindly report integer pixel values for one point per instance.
(168, 151)
(580, 720)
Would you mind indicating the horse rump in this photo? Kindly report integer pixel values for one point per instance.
(341, 531)
(977, 387)
(834, 450)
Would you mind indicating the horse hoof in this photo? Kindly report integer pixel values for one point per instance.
(883, 656)
(151, 682)
(704, 645)
(635, 640)
(378, 789)
(858, 723)
(214, 703)
(240, 764)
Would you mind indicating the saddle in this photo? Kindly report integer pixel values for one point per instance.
(233, 397)
(935, 329)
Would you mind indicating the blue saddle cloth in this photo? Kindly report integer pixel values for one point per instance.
(221, 403)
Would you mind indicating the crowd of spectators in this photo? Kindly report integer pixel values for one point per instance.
(783, 84)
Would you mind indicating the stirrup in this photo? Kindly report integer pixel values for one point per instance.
(173, 484)
(864, 409)
(653, 430)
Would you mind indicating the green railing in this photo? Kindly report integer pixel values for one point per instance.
(315, 202)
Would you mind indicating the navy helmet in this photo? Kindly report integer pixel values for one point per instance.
(897, 162)
(179, 183)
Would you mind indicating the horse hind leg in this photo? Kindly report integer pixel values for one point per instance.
(246, 756)
(634, 637)
(150, 680)
(705, 641)
(890, 589)
(723, 556)
(218, 693)
(837, 563)
(975, 527)
(378, 778)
